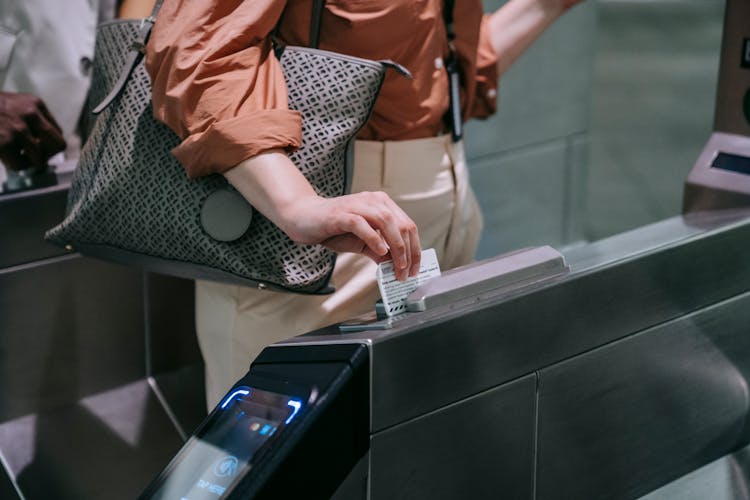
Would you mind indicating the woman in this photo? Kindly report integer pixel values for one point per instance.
(217, 84)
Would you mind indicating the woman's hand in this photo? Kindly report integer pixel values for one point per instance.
(29, 135)
(367, 223)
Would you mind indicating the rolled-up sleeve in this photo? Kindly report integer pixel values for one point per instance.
(217, 83)
(478, 61)
(486, 83)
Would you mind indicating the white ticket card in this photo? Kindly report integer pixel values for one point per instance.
(395, 292)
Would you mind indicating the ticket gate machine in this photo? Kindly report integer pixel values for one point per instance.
(608, 373)
(721, 175)
(303, 413)
(303, 417)
(607, 381)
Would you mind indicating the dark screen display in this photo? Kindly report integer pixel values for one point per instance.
(733, 163)
(239, 431)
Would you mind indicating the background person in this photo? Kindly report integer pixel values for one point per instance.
(46, 53)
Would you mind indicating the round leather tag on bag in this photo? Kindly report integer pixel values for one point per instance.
(226, 215)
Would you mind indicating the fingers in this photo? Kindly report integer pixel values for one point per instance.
(11, 156)
(30, 146)
(48, 117)
(398, 242)
(416, 254)
(45, 128)
(29, 135)
(403, 239)
(355, 225)
(367, 223)
(378, 222)
(22, 149)
(350, 243)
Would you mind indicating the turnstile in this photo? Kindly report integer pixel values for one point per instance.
(609, 381)
(100, 372)
(303, 415)
(720, 177)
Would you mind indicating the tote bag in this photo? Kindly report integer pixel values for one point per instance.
(131, 202)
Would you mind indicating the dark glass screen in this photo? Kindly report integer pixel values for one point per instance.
(733, 163)
(240, 429)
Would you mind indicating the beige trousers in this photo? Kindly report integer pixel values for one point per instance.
(427, 178)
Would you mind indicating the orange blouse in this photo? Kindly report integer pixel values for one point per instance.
(218, 85)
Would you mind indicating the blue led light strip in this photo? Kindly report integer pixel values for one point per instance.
(296, 405)
(242, 391)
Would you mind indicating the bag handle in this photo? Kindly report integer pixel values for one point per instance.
(138, 48)
(137, 51)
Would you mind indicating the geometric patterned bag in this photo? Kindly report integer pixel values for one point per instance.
(131, 201)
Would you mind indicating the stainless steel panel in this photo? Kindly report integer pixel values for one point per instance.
(481, 447)
(170, 323)
(354, 486)
(8, 489)
(69, 328)
(489, 343)
(78, 418)
(173, 355)
(638, 242)
(106, 446)
(184, 397)
(627, 418)
(723, 479)
(24, 218)
(616, 287)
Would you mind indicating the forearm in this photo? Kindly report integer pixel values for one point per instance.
(272, 184)
(367, 223)
(517, 24)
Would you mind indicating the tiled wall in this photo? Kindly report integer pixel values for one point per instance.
(528, 163)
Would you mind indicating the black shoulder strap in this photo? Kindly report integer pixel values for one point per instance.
(315, 20)
(454, 118)
(317, 15)
(448, 18)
